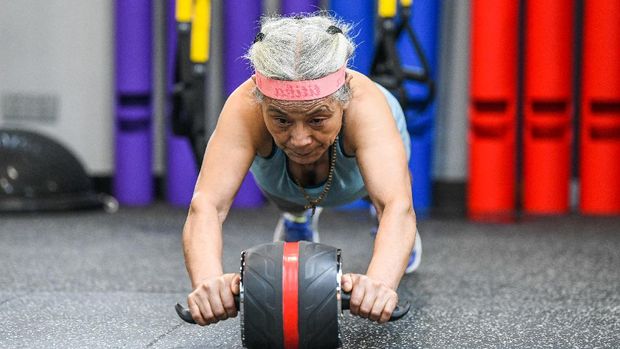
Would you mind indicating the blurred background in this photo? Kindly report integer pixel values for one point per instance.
(513, 106)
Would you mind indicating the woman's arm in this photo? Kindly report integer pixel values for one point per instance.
(227, 159)
(383, 161)
(375, 140)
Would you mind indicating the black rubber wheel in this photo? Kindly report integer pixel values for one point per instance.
(318, 304)
(261, 304)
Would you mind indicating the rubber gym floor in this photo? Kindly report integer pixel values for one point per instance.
(96, 280)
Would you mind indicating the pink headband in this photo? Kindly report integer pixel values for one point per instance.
(301, 90)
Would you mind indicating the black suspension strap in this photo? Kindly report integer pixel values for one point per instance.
(387, 68)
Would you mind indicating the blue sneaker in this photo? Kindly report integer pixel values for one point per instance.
(291, 227)
(416, 254)
(375, 221)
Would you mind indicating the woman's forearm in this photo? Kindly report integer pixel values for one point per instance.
(393, 244)
(202, 242)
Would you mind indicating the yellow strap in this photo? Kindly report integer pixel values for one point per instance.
(183, 11)
(406, 3)
(387, 8)
(201, 24)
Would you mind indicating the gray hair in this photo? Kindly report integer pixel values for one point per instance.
(301, 48)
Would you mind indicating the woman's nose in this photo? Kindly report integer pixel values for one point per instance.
(300, 136)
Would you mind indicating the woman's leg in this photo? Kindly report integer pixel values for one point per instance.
(296, 222)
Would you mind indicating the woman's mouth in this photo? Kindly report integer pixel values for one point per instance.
(301, 155)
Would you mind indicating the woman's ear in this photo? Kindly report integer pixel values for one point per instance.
(345, 105)
(347, 81)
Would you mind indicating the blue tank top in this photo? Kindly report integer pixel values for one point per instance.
(272, 175)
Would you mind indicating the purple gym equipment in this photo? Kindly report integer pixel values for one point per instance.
(133, 181)
(240, 25)
(297, 6)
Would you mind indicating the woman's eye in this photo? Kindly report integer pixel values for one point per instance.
(316, 122)
(281, 121)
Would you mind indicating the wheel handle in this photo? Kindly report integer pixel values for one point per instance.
(187, 316)
(400, 310)
(345, 300)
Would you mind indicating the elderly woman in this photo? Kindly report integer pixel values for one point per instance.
(314, 134)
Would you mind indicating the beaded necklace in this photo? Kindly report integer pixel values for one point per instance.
(313, 203)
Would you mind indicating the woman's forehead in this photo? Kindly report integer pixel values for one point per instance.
(326, 104)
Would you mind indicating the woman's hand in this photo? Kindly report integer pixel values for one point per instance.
(213, 299)
(370, 298)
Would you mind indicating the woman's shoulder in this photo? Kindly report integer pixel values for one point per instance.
(359, 80)
(366, 97)
(365, 92)
(243, 97)
(242, 111)
(365, 108)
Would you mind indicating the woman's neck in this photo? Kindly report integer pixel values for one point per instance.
(311, 174)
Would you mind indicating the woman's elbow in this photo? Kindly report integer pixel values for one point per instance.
(202, 205)
(403, 207)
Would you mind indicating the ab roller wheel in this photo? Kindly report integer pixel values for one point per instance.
(290, 296)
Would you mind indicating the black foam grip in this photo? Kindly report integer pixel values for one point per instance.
(400, 310)
(184, 314)
(187, 316)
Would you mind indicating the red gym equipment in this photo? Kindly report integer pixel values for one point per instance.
(600, 109)
(548, 106)
(492, 110)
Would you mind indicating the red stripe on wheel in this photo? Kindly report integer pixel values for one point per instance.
(290, 268)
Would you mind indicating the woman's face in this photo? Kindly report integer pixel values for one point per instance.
(304, 130)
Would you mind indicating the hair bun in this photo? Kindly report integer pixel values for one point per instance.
(334, 30)
(259, 37)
